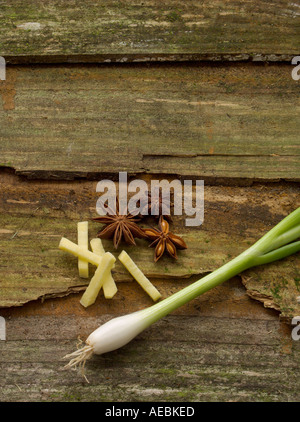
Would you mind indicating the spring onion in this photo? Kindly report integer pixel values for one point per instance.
(279, 242)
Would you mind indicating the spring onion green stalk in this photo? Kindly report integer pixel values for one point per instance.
(278, 243)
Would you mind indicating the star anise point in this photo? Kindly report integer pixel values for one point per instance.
(120, 226)
(163, 240)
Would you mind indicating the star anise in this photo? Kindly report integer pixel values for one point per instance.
(163, 239)
(120, 226)
(155, 204)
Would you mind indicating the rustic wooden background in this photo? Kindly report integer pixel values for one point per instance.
(172, 89)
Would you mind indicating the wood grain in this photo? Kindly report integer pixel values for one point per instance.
(223, 356)
(160, 89)
(219, 123)
(34, 215)
(110, 31)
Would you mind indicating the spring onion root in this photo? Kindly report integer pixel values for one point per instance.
(278, 243)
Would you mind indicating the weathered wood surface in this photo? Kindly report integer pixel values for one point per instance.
(36, 214)
(231, 349)
(219, 123)
(102, 31)
(65, 127)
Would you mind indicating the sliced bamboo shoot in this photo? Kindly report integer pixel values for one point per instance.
(92, 291)
(138, 275)
(71, 247)
(83, 242)
(109, 285)
(97, 247)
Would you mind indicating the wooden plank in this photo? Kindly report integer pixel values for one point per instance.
(221, 359)
(228, 345)
(35, 215)
(213, 122)
(102, 31)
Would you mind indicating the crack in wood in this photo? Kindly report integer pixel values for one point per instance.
(147, 58)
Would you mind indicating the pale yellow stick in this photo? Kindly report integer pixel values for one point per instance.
(109, 285)
(97, 246)
(92, 291)
(74, 249)
(139, 276)
(83, 242)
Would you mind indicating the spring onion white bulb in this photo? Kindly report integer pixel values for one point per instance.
(278, 243)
